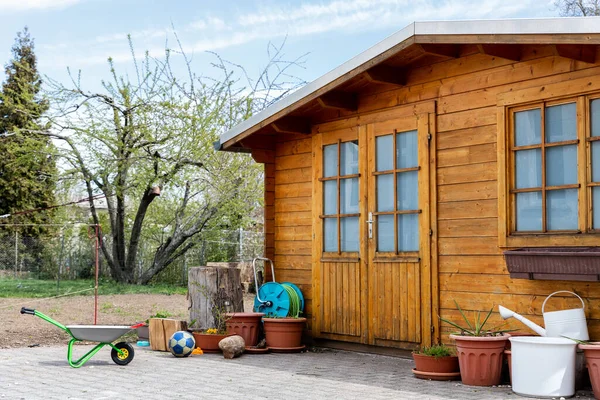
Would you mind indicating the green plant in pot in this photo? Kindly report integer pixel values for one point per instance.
(437, 362)
(206, 338)
(480, 349)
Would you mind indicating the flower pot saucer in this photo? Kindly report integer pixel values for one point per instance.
(436, 376)
(256, 350)
(287, 349)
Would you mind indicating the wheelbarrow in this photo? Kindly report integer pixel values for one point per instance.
(122, 353)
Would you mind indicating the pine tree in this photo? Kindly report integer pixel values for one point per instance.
(27, 167)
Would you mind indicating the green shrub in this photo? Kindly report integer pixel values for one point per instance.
(437, 351)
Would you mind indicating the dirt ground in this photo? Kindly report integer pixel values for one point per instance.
(18, 330)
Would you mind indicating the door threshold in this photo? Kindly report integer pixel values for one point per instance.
(362, 348)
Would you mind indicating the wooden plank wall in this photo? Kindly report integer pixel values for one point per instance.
(471, 266)
(293, 214)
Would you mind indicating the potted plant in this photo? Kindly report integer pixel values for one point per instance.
(480, 350)
(208, 339)
(437, 362)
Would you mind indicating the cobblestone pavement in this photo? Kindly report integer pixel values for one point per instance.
(43, 373)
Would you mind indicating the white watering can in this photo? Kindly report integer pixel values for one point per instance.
(568, 323)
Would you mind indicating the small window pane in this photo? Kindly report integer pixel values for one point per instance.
(596, 207)
(330, 197)
(596, 161)
(349, 156)
(385, 233)
(529, 211)
(528, 168)
(595, 117)
(349, 233)
(561, 123)
(561, 165)
(385, 148)
(406, 150)
(349, 196)
(385, 192)
(330, 234)
(408, 191)
(330, 161)
(561, 209)
(408, 232)
(528, 127)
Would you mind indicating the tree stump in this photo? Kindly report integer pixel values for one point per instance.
(214, 291)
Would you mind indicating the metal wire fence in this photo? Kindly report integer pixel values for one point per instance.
(53, 253)
(68, 253)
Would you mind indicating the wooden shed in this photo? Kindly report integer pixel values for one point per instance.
(395, 183)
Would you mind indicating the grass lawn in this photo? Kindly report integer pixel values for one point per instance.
(10, 287)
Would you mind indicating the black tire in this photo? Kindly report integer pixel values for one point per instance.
(122, 359)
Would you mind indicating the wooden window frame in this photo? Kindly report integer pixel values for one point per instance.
(386, 256)
(582, 92)
(543, 146)
(338, 216)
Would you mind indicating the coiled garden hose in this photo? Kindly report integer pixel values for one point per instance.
(294, 310)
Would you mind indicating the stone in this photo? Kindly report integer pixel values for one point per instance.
(232, 346)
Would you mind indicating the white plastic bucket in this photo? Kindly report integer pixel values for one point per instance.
(568, 323)
(543, 366)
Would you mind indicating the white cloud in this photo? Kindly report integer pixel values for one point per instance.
(296, 20)
(25, 5)
(212, 23)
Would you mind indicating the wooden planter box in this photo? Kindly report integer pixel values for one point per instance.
(554, 263)
(161, 330)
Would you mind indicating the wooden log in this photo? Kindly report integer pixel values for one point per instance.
(161, 330)
(214, 291)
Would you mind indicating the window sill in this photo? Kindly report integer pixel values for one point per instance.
(554, 263)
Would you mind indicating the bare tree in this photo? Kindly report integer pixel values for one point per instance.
(153, 135)
(578, 8)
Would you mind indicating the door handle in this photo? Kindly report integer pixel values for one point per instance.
(370, 223)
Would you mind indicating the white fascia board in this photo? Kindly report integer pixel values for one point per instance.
(574, 25)
(525, 26)
(318, 83)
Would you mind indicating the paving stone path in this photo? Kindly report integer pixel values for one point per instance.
(43, 373)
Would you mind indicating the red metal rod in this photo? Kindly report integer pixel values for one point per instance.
(96, 287)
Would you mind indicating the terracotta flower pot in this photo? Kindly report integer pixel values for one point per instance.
(284, 333)
(592, 360)
(246, 325)
(209, 343)
(432, 364)
(480, 358)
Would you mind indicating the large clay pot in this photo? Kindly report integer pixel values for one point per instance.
(209, 343)
(284, 333)
(246, 325)
(480, 358)
(592, 360)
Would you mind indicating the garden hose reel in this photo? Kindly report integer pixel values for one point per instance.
(277, 299)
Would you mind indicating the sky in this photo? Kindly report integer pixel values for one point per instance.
(82, 34)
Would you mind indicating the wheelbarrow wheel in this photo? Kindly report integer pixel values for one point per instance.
(125, 356)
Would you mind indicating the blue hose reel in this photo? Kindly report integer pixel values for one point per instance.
(277, 299)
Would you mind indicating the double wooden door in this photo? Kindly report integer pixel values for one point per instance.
(372, 280)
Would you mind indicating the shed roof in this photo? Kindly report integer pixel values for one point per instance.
(512, 32)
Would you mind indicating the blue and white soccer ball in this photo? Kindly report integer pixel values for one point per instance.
(181, 344)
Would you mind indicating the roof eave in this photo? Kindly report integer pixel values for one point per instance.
(389, 46)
